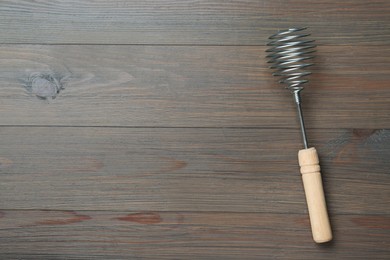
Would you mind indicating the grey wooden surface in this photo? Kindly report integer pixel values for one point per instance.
(189, 22)
(154, 130)
(187, 86)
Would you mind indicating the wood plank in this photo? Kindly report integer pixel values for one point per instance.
(185, 235)
(217, 22)
(187, 169)
(186, 86)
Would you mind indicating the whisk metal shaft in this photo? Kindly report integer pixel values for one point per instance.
(297, 98)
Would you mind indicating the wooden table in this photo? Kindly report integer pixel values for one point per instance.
(154, 130)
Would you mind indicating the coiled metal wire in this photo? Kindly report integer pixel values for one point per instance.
(289, 54)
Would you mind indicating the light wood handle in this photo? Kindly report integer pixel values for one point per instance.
(312, 182)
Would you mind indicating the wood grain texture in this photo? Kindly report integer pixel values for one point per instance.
(183, 86)
(154, 130)
(185, 235)
(233, 170)
(217, 22)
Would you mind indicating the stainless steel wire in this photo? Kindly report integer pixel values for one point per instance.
(289, 54)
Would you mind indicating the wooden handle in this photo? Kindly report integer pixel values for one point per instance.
(312, 182)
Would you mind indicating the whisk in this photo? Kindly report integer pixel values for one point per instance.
(289, 54)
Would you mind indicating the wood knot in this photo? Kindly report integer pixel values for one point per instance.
(363, 133)
(146, 218)
(65, 218)
(44, 86)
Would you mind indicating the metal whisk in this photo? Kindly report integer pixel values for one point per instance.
(289, 53)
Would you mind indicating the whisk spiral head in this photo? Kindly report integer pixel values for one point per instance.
(289, 54)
